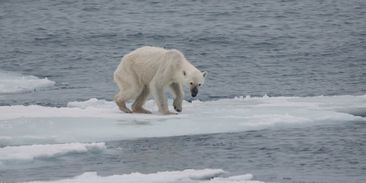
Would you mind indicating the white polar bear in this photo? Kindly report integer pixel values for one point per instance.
(152, 69)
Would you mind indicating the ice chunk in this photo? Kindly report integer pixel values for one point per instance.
(16, 83)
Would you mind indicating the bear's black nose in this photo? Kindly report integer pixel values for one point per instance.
(194, 91)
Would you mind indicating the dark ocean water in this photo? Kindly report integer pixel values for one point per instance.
(273, 47)
(279, 48)
(311, 154)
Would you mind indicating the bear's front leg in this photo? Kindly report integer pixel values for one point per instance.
(177, 104)
(160, 99)
(179, 95)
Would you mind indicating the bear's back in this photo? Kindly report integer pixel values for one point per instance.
(148, 51)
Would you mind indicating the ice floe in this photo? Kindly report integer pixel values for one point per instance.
(29, 152)
(100, 120)
(11, 82)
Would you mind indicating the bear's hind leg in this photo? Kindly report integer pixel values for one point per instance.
(140, 101)
(129, 89)
(121, 103)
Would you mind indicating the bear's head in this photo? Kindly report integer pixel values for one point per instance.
(195, 80)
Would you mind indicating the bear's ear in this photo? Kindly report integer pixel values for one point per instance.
(204, 73)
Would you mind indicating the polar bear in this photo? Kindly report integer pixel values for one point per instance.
(152, 69)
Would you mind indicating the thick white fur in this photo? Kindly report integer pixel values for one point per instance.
(149, 70)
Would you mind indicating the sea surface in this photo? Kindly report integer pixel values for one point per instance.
(284, 100)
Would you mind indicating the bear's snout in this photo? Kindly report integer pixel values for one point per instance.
(194, 91)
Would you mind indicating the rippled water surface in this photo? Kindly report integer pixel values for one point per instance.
(249, 48)
(69, 50)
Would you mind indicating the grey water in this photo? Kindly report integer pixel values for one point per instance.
(321, 153)
(273, 47)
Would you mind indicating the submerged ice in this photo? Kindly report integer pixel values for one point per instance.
(99, 120)
(185, 176)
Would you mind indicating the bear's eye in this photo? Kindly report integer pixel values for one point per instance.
(199, 84)
(191, 83)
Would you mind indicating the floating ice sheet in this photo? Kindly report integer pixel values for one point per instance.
(99, 120)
